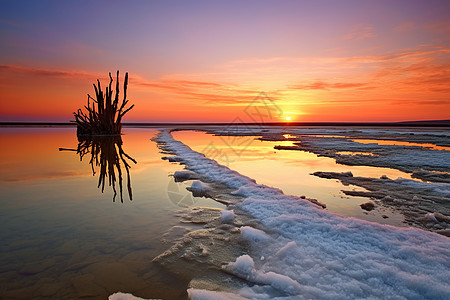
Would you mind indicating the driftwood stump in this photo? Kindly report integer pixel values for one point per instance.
(103, 114)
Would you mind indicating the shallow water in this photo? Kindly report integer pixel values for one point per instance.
(62, 238)
(290, 171)
(65, 239)
(400, 143)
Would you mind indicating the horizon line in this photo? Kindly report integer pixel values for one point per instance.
(425, 123)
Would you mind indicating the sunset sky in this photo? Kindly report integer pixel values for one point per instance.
(203, 61)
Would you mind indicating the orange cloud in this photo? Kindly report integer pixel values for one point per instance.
(360, 32)
(405, 26)
(47, 72)
(439, 27)
(322, 85)
(207, 92)
(203, 91)
(312, 86)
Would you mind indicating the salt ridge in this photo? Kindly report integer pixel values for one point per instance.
(312, 253)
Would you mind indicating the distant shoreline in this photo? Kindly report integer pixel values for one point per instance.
(431, 123)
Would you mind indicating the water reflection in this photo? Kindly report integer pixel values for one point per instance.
(106, 154)
(400, 143)
(293, 173)
(49, 216)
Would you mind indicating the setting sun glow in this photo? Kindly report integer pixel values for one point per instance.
(208, 62)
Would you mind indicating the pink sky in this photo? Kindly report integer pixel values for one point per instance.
(206, 61)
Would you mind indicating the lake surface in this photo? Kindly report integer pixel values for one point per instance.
(291, 172)
(62, 238)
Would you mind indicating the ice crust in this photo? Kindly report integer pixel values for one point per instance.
(123, 296)
(372, 132)
(312, 253)
(244, 267)
(227, 216)
(417, 158)
(183, 175)
(253, 235)
(404, 158)
(197, 294)
(199, 187)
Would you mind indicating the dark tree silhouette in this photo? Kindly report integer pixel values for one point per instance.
(104, 113)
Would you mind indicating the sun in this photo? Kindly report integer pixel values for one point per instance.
(288, 118)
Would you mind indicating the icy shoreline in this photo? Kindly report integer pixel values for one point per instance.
(424, 205)
(422, 155)
(311, 253)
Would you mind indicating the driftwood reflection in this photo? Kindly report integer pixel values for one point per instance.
(106, 154)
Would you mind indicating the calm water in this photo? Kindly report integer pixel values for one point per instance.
(290, 171)
(62, 238)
